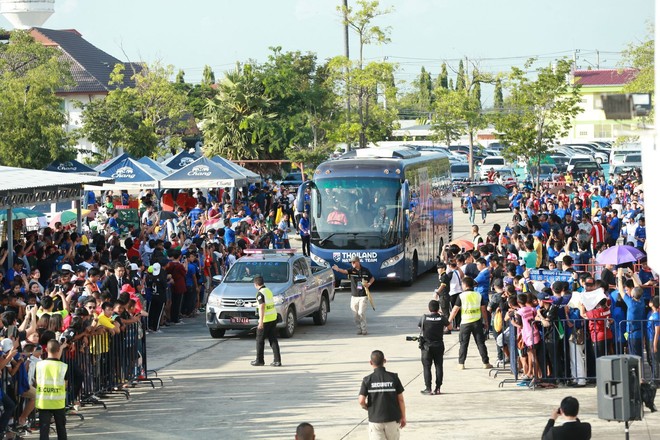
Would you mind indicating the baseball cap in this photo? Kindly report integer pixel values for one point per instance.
(156, 269)
(511, 257)
(596, 219)
(133, 266)
(6, 345)
(67, 268)
(355, 258)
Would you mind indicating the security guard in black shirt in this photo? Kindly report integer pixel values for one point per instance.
(432, 328)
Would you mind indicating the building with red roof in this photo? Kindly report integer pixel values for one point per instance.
(591, 123)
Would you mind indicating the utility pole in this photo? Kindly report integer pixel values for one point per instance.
(597, 59)
(348, 85)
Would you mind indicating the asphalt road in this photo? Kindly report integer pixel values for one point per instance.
(211, 391)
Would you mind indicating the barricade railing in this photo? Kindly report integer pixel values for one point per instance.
(568, 348)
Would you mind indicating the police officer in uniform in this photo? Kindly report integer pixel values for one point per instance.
(267, 327)
(360, 277)
(381, 394)
(432, 328)
(473, 321)
(51, 392)
(441, 294)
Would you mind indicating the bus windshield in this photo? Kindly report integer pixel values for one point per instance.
(356, 213)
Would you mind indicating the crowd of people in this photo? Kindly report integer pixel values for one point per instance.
(577, 310)
(76, 286)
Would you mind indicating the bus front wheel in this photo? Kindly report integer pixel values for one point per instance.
(413, 272)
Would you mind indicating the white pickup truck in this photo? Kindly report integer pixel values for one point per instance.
(299, 290)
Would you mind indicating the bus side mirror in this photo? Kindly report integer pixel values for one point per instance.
(405, 196)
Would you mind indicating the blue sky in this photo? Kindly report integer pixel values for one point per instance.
(495, 34)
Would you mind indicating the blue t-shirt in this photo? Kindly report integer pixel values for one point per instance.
(194, 214)
(230, 236)
(654, 321)
(191, 274)
(614, 228)
(640, 233)
(636, 313)
(112, 222)
(646, 276)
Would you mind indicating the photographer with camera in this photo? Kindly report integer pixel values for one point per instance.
(432, 326)
(572, 428)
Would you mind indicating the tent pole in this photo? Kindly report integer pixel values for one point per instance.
(78, 215)
(10, 239)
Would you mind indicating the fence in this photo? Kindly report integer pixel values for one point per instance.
(567, 350)
(98, 365)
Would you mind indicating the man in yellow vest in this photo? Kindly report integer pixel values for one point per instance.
(474, 321)
(51, 392)
(267, 327)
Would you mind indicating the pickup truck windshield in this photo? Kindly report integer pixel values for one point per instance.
(356, 213)
(245, 271)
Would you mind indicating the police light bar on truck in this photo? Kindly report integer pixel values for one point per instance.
(269, 251)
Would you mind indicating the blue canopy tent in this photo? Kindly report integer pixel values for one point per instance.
(250, 176)
(181, 159)
(155, 165)
(202, 173)
(71, 166)
(129, 174)
(111, 162)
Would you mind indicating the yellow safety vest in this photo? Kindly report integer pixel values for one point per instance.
(470, 307)
(270, 314)
(51, 387)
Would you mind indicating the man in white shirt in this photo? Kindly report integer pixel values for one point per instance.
(628, 230)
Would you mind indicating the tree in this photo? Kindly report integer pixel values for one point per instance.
(442, 80)
(641, 57)
(144, 120)
(208, 77)
(476, 89)
(447, 123)
(451, 84)
(460, 76)
(538, 111)
(180, 77)
(498, 101)
(355, 76)
(419, 102)
(32, 132)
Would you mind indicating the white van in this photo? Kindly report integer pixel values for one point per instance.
(494, 162)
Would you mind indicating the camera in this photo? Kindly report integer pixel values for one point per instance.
(67, 335)
(421, 341)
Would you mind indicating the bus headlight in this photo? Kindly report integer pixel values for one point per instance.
(318, 260)
(392, 261)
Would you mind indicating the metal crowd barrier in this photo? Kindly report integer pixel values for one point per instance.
(568, 350)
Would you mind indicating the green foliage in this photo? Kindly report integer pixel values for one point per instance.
(180, 77)
(144, 120)
(498, 101)
(359, 84)
(460, 76)
(32, 131)
(447, 123)
(538, 111)
(442, 79)
(283, 109)
(419, 102)
(476, 89)
(208, 77)
(641, 56)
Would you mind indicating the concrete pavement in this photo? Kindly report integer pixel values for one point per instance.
(211, 391)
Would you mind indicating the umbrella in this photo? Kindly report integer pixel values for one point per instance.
(69, 216)
(619, 254)
(468, 245)
(166, 215)
(20, 214)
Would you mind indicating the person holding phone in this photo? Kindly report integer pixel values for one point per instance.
(572, 428)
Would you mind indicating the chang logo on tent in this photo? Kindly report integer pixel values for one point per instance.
(185, 161)
(66, 166)
(124, 173)
(200, 171)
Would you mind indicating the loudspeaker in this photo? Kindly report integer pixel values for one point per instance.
(619, 395)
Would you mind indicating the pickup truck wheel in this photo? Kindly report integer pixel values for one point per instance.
(217, 332)
(321, 316)
(290, 329)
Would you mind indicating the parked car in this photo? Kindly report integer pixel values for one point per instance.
(498, 196)
(618, 156)
(294, 179)
(509, 177)
(299, 290)
(590, 150)
(543, 171)
(460, 172)
(576, 159)
(494, 162)
(586, 168)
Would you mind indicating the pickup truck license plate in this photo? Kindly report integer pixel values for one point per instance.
(239, 320)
